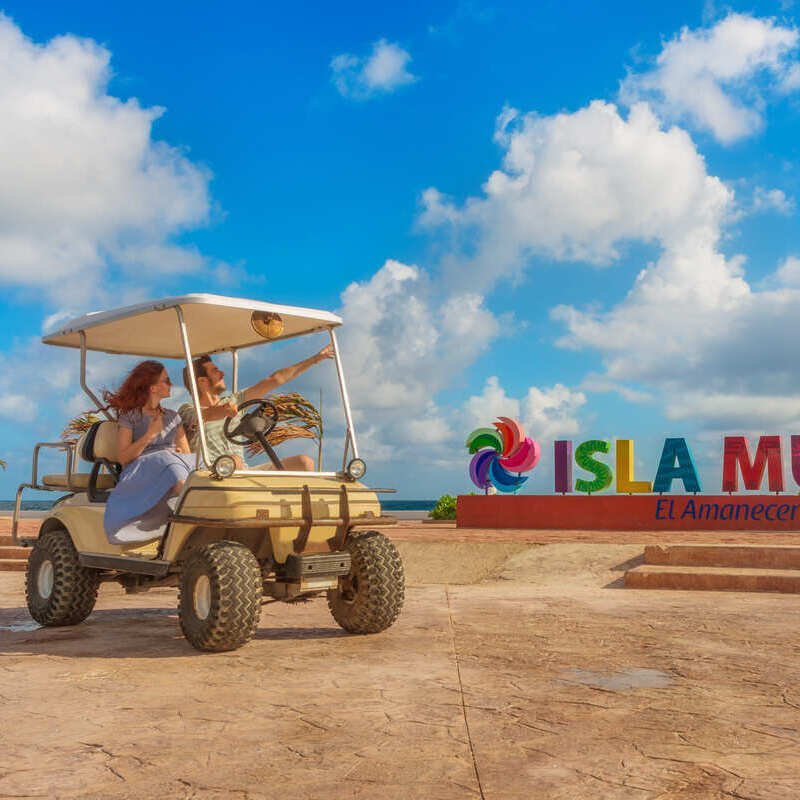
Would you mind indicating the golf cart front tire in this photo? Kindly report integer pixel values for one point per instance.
(58, 589)
(370, 598)
(220, 597)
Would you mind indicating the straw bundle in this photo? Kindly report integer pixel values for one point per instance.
(297, 419)
(79, 425)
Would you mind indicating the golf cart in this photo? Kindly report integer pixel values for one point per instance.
(235, 535)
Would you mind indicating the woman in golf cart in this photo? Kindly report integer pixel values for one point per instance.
(152, 448)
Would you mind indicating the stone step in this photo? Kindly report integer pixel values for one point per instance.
(14, 552)
(751, 556)
(7, 541)
(720, 579)
(13, 564)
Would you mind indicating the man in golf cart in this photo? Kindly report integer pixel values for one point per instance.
(217, 406)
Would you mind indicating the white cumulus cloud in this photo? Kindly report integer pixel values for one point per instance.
(763, 412)
(17, 407)
(772, 200)
(788, 273)
(693, 320)
(712, 77)
(545, 413)
(553, 411)
(482, 409)
(383, 71)
(83, 184)
(405, 341)
(577, 186)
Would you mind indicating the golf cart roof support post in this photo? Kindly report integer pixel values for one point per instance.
(201, 430)
(351, 433)
(17, 510)
(89, 392)
(235, 357)
(346, 450)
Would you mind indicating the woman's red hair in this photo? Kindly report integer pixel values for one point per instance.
(135, 389)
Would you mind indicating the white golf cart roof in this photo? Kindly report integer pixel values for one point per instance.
(214, 324)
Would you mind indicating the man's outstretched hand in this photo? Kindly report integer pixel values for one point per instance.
(281, 376)
(326, 352)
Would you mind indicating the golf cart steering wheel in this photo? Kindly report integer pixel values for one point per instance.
(254, 427)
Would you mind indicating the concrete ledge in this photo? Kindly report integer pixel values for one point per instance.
(719, 579)
(747, 556)
(14, 552)
(13, 564)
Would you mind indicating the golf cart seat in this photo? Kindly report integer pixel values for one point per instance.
(79, 481)
(98, 446)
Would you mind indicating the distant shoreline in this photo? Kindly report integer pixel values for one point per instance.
(403, 509)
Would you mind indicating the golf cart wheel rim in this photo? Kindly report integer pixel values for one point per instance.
(45, 579)
(202, 597)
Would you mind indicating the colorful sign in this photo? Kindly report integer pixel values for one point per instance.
(499, 452)
(502, 451)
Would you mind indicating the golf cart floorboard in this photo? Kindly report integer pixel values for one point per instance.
(140, 566)
(280, 522)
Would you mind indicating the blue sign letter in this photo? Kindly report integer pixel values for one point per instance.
(668, 470)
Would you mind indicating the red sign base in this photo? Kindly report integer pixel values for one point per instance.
(637, 512)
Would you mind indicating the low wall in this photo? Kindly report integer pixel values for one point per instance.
(631, 512)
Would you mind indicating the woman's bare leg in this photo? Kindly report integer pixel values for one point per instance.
(298, 463)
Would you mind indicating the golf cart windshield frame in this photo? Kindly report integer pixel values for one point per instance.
(350, 444)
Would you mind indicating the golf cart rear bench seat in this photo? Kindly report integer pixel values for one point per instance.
(78, 481)
(98, 446)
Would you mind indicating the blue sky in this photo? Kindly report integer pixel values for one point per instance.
(474, 187)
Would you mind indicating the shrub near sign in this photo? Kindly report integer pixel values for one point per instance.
(637, 505)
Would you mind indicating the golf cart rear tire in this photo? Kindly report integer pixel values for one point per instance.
(58, 589)
(371, 597)
(229, 609)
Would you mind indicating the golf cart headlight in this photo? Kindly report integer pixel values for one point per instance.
(356, 469)
(224, 467)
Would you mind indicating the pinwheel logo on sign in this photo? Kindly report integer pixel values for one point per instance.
(499, 452)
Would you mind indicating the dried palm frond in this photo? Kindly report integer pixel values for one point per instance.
(287, 432)
(3, 464)
(79, 425)
(297, 419)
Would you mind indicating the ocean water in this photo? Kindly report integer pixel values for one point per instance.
(387, 505)
(407, 505)
(27, 505)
